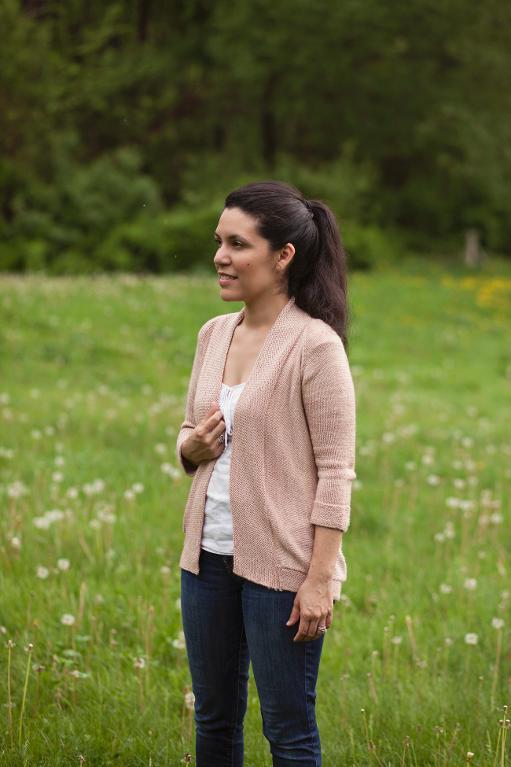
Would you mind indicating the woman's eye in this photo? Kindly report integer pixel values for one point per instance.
(235, 243)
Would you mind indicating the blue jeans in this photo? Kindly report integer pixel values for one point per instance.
(229, 621)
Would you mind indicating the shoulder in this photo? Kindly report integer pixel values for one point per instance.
(323, 352)
(318, 333)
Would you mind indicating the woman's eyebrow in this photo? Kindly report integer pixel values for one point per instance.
(232, 236)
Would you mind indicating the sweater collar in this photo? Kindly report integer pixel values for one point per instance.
(285, 309)
(287, 326)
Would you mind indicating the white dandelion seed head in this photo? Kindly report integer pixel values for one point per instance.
(189, 700)
(179, 642)
(497, 623)
(42, 572)
(471, 638)
(470, 583)
(42, 523)
(63, 564)
(68, 619)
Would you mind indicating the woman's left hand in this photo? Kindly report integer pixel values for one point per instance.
(313, 605)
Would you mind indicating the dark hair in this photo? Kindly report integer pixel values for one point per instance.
(317, 275)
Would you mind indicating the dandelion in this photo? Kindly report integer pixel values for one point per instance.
(449, 531)
(448, 641)
(105, 515)
(189, 700)
(470, 583)
(129, 495)
(397, 639)
(67, 619)
(72, 492)
(433, 479)
(42, 523)
(93, 488)
(160, 448)
(445, 588)
(179, 642)
(165, 570)
(137, 487)
(172, 471)
(16, 489)
(57, 476)
(63, 564)
(471, 638)
(139, 663)
(42, 572)
(16, 542)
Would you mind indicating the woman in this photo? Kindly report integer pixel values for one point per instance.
(269, 439)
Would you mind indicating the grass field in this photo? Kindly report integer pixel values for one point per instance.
(93, 671)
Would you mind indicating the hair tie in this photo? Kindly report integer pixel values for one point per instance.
(309, 207)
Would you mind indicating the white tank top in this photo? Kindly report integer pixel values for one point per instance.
(217, 529)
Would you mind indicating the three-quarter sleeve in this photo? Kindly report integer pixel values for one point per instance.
(188, 423)
(329, 401)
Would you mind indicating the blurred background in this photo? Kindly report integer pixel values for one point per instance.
(123, 125)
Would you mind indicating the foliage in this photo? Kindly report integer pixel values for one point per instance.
(397, 114)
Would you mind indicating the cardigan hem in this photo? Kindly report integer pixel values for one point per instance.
(276, 578)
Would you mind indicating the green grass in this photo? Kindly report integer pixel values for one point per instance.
(93, 376)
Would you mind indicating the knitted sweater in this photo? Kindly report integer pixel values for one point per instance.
(293, 451)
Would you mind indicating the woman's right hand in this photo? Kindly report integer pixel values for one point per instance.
(202, 444)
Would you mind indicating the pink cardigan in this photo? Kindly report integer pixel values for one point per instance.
(293, 449)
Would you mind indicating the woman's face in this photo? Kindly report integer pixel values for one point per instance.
(248, 257)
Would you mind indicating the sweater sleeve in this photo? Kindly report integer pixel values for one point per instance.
(189, 424)
(329, 400)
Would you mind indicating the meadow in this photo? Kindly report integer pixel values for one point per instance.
(93, 377)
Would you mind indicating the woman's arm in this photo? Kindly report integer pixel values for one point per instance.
(330, 406)
(188, 425)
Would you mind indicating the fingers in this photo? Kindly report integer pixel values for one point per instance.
(308, 629)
